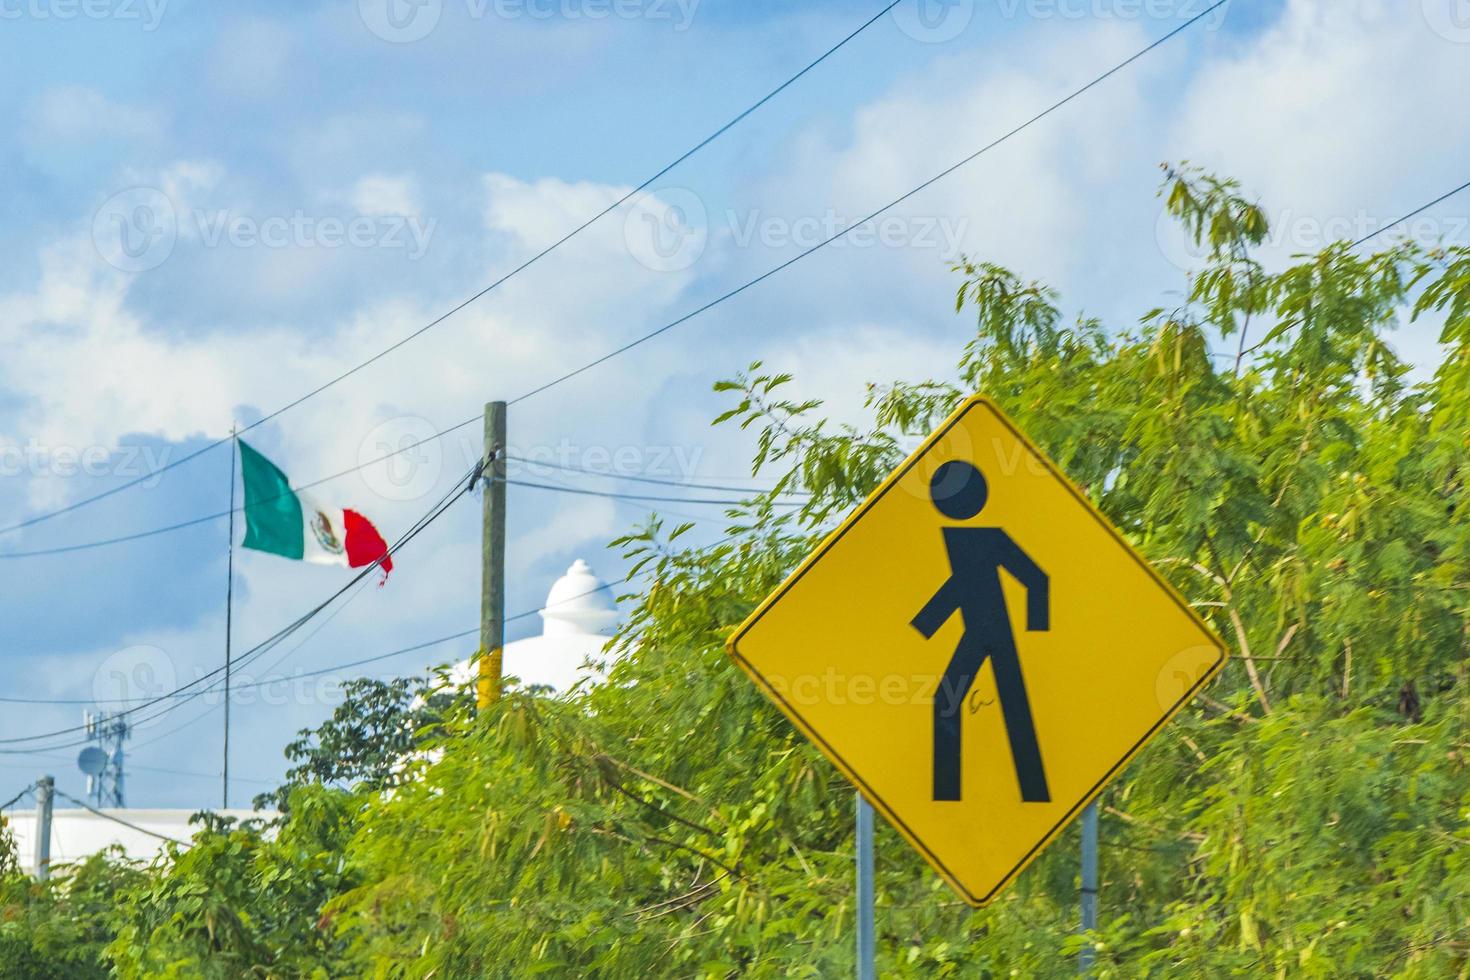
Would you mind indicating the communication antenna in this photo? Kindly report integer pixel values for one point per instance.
(103, 761)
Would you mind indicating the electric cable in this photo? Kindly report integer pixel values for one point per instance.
(254, 685)
(1412, 214)
(17, 798)
(639, 341)
(135, 767)
(118, 820)
(270, 643)
(367, 661)
(583, 492)
(638, 478)
(183, 525)
(477, 296)
(645, 338)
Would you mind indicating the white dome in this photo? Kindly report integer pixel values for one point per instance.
(579, 603)
(578, 619)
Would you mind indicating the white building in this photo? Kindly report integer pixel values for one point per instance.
(77, 834)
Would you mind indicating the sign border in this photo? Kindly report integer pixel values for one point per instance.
(732, 648)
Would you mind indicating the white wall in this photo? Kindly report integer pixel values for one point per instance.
(77, 834)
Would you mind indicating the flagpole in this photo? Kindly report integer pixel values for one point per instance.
(229, 614)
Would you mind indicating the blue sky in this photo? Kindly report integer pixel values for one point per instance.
(461, 153)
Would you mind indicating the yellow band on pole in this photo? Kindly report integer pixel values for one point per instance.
(488, 686)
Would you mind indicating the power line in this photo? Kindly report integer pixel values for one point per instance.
(133, 766)
(182, 525)
(17, 798)
(306, 674)
(107, 542)
(260, 649)
(639, 341)
(1049, 110)
(313, 634)
(637, 478)
(263, 648)
(417, 647)
(426, 645)
(1412, 214)
(175, 730)
(583, 492)
(663, 510)
(403, 651)
(876, 214)
(479, 295)
(85, 546)
(255, 685)
(195, 522)
(370, 660)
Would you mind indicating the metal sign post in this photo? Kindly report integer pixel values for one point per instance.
(866, 945)
(1089, 884)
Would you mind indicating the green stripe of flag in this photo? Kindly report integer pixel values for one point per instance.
(272, 510)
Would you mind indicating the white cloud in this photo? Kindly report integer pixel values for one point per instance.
(1036, 203)
(380, 194)
(75, 113)
(251, 58)
(1305, 116)
(837, 366)
(535, 213)
(340, 142)
(86, 366)
(576, 521)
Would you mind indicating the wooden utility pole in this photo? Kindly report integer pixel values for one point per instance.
(44, 790)
(492, 573)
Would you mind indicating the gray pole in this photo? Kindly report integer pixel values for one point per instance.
(1089, 882)
(117, 760)
(229, 615)
(492, 572)
(94, 782)
(44, 787)
(866, 945)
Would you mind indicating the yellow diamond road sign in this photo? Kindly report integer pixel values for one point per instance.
(978, 650)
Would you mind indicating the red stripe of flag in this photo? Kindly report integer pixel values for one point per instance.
(364, 544)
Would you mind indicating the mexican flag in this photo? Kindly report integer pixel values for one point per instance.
(292, 524)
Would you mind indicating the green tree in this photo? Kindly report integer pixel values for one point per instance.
(364, 742)
(1261, 442)
(1309, 815)
(59, 929)
(242, 900)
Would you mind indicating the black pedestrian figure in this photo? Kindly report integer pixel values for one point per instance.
(976, 556)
